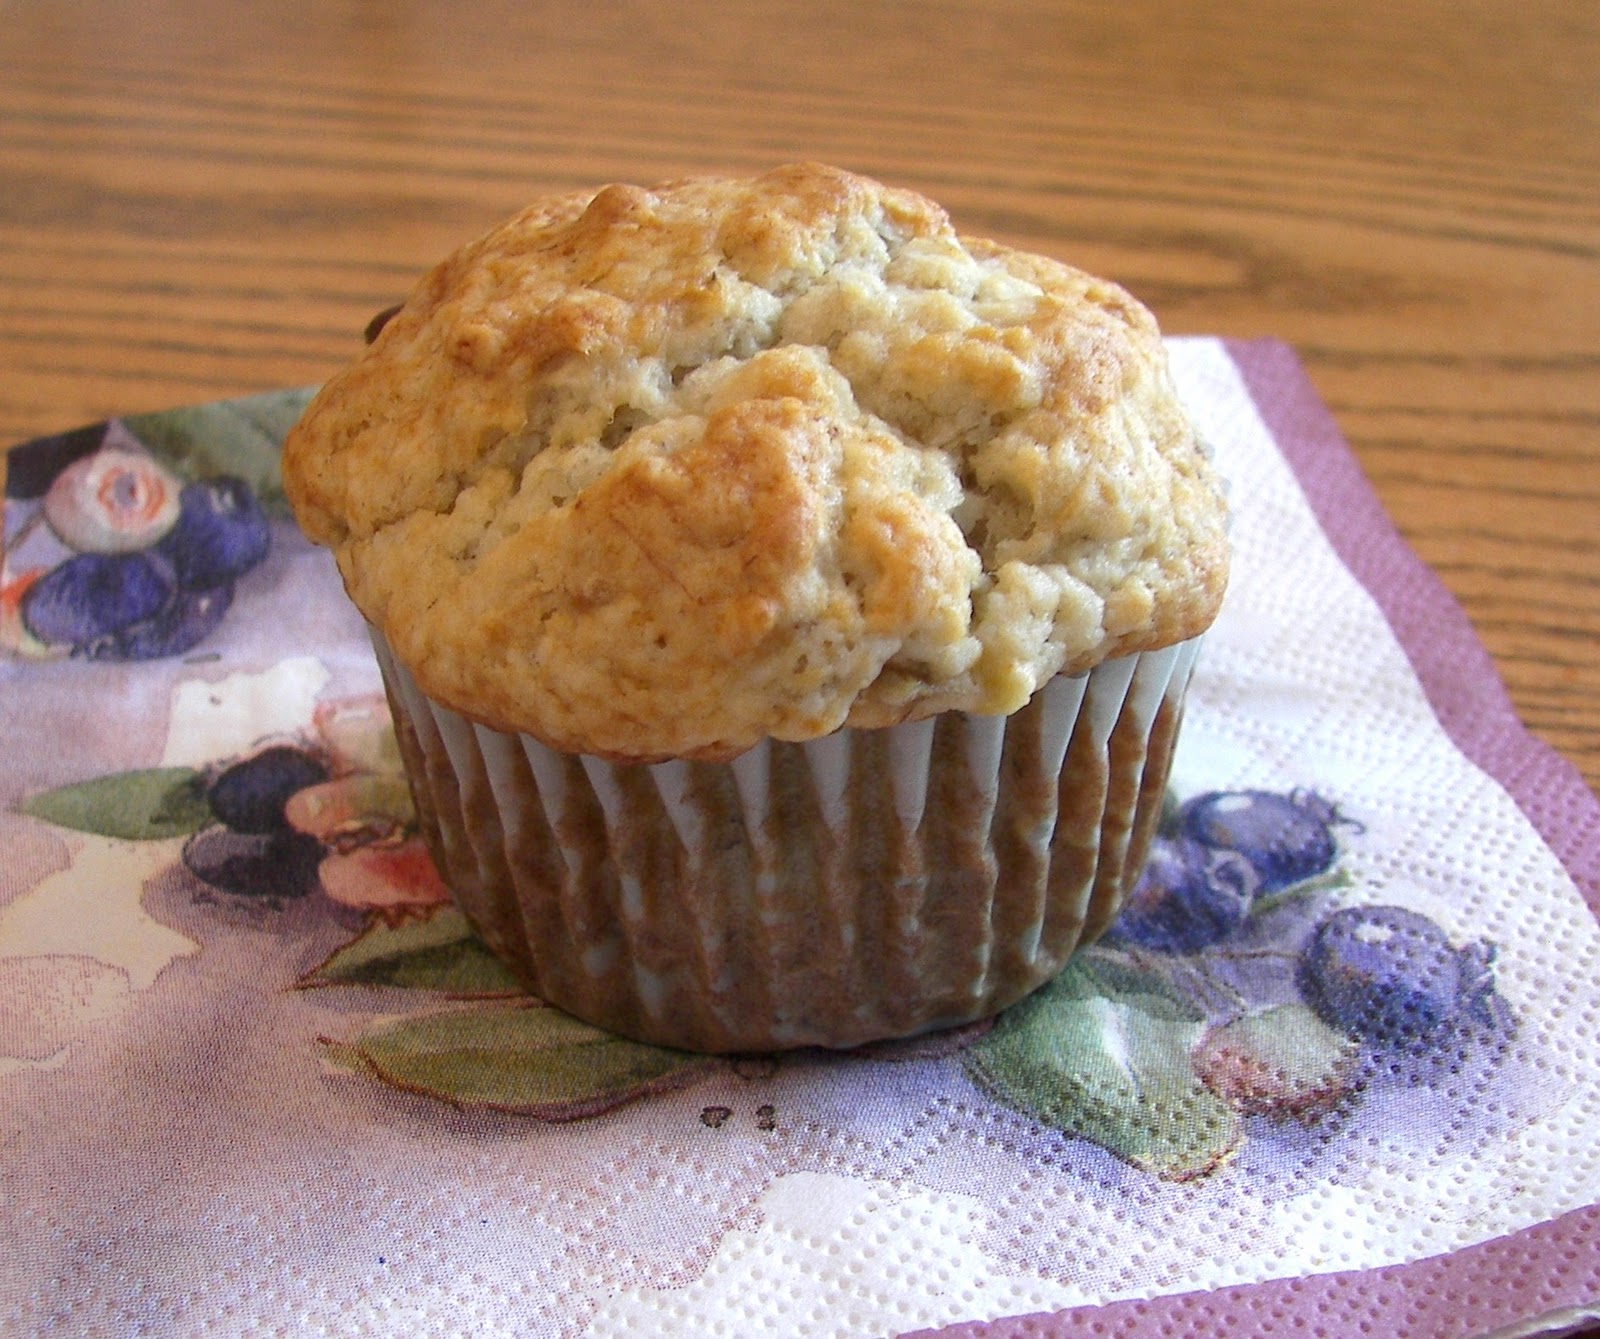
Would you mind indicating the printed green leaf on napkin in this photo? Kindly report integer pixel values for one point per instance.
(442, 953)
(144, 805)
(238, 437)
(1103, 1052)
(516, 1057)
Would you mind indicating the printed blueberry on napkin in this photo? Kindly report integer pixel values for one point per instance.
(257, 1074)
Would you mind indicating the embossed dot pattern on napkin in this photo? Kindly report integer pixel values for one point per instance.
(1334, 1070)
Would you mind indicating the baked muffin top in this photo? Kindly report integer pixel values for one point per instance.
(655, 473)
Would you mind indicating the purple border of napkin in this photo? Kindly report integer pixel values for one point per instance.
(1509, 1280)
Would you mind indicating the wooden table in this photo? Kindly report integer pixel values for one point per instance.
(201, 200)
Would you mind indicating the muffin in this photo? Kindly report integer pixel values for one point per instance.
(786, 603)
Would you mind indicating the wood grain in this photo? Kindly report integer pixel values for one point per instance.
(199, 201)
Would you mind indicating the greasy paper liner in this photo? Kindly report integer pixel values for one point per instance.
(866, 885)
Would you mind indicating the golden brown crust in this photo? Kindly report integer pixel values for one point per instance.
(658, 473)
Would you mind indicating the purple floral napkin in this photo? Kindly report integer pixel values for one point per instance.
(1334, 1070)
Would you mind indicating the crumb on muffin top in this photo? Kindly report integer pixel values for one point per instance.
(658, 472)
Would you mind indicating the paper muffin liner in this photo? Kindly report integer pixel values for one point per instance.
(866, 885)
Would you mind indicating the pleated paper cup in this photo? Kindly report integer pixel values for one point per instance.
(866, 885)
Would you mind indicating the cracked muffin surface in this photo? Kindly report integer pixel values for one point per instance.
(652, 473)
